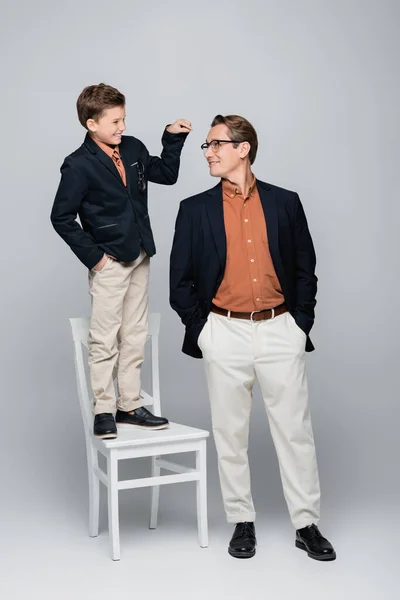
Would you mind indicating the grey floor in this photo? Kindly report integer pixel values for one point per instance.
(46, 553)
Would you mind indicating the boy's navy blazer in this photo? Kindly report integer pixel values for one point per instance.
(198, 258)
(114, 218)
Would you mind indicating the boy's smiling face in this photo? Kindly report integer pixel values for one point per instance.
(109, 127)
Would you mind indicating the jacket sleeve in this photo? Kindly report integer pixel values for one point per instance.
(71, 191)
(306, 280)
(165, 169)
(183, 297)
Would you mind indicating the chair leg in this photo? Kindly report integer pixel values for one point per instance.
(94, 491)
(155, 494)
(113, 518)
(201, 485)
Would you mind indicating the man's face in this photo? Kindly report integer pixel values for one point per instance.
(225, 159)
(109, 127)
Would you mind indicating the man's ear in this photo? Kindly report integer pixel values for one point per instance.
(244, 149)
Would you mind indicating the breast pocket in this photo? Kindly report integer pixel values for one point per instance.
(138, 175)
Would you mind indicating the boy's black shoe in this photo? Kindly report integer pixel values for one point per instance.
(104, 426)
(141, 417)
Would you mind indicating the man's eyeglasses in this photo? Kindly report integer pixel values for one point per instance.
(215, 144)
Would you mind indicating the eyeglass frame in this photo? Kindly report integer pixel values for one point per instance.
(141, 178)
(206, 145)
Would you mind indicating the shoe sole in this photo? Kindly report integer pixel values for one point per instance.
(132, 426)
(106, 436)
(241, 554)
(324, 557)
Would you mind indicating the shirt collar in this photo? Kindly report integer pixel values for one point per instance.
(107, 149)
(230, 189)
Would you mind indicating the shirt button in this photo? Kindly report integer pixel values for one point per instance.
(252, 260)
(249, 241)
(232, 195)
(258, 299)
(246, 220)
(254, 280)
(244, 204)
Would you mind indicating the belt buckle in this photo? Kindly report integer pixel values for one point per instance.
(252, 313)
(258, 311)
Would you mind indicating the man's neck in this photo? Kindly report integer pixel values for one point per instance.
(242, 179)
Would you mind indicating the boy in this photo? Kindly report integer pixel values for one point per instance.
(105, 183)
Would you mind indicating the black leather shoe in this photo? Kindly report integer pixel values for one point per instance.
(104, 426)
(317, 547)
(141, 417)
(243, 542)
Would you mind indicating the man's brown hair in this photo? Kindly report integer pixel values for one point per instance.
(94, 99)
(241, 130)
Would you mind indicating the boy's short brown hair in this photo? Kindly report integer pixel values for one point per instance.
(94, 99)
(241, 130)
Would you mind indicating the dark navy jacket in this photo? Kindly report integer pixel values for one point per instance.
(198, 258)
(114, 218)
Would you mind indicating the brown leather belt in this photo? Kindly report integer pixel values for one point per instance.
(256, 315)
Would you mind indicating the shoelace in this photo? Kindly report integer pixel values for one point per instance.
(244, 529)
(314, 531)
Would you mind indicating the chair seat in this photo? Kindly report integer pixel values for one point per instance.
(132, 437)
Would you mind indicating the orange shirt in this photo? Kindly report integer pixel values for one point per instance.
(116, 157)
(250, 282)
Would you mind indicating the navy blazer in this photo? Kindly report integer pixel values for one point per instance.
(114, 218)
(198, 258)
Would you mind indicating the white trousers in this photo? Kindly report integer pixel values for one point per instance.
(118, 332)
(236, 352)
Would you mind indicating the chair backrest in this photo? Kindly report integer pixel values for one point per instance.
(80, 333)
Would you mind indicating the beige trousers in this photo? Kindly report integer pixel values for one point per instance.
(118, 332)
(236, 352)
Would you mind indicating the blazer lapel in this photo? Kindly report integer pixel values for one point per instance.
(102, 157)
(215, 213)
(268, 201)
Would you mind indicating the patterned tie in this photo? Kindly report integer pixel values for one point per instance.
(118, 163)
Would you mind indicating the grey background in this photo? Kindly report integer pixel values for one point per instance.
(319, 81)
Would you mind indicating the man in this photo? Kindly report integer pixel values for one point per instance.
(105, 183)
(242, 280)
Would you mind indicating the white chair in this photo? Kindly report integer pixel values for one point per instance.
(136, 443)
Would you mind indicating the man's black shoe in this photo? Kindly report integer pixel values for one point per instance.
(104, 426)
(243, 542)
(141, 417)
(317, 547)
